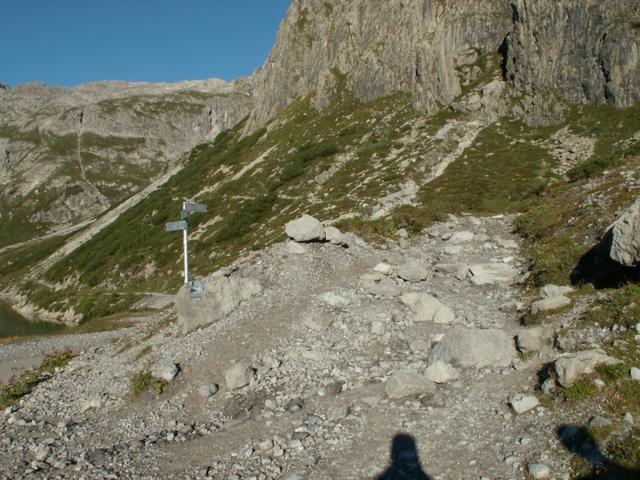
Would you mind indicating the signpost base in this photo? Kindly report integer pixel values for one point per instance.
(195, 288)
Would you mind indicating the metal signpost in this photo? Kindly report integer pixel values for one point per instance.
(195, 287)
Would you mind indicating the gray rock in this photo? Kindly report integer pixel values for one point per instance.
(441, 372)
(238, 376)
(625, 237)
(550, 303)
(295, 248)
(208, 390)
(471, 347)
(523, 403)
(571, 366)
(305, 229)
(599, 422)
(634, 373)
(405, 383)
(461, 237)
(427, 308)
(335, 300)
(383, 288)
(335, 236)
(166, 369)
(412, 271)
(222, 295)
(530, 339)
(554, 290)
(490, 273)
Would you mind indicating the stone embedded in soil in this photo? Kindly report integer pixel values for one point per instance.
(571, 366)
(165, 369)
(539, 471)
(550, 303)
(491, 273)
(440, 372)
(412, 271)
(474, 347)
(406, 383)
(523, 403)
(530, 339)
(238, 376)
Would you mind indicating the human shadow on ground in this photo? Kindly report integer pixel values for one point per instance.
(405, 461)
(579, 441)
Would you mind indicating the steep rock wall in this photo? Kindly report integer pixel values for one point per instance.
(421, 46)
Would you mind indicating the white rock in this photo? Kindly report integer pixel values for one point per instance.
(461, 237)
(507, 244)
(334, 299)
(377, 327)
(635, 373)
(405, 383)
(165, 369)
(530, 339)
(571, 366)
(472, 347)
(208, 390)
(305, 229)
(92, 404)
(489, 273)
(412, 271)
(625, 236)
(441, 372)
(383, 268)
(550, 303)
(427, 308)
(523, 403)
(554, 290)
(539, 471)
(238, 376)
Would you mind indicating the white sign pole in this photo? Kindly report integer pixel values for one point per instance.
(185, 236)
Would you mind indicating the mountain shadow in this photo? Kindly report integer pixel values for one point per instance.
(579, 441)
(405, 461)
(597, 268)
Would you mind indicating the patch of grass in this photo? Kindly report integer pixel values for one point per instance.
(24, 384)
(615, 307)
(580, 391)
(143, 381)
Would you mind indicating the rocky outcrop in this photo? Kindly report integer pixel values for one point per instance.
(584, 51)
(426, 47)
(67, 154)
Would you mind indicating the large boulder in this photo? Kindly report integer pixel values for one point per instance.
(305, 229)
(473, 347)
(427, 308)
(571, 366)
(625, 237)
(221, 296)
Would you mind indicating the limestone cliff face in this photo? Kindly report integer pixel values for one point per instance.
(584, 51)
(68, 154)
(425, 47)
(579, 51)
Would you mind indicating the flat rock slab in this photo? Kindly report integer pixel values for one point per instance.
(405, 383)
(221, 296)
(473, 347)
(490, 273)
(412, 271)
(550, 303)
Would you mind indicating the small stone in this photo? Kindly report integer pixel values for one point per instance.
(599, 422)
(334, 236)
(208, 390)
(441, 372)
(461, 237)
(523, 403)
(628, 418)
(383, 268)
(335, 300)
(539, 471)
(530, 339)
(337, 412)
(635, 373)
(165, 369)
(406, 384)
(377, 327)
(550, 303)
(295, 248)
(570, 366)
(548, 386)
(427, 308)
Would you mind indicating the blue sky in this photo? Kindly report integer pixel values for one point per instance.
(68, 42)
